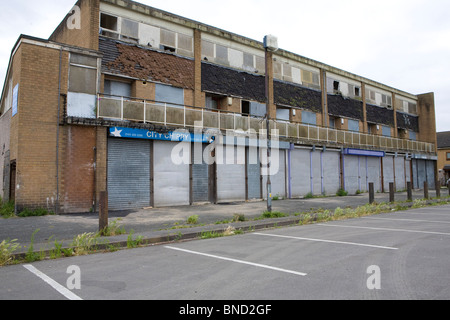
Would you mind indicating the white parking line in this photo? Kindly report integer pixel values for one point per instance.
(328, 241)
(383, 229)
(239, 261)
(412, 220)
(55, 285)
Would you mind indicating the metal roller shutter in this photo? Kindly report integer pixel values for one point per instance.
(300, 173)
(253, 174)
(231, 174)
(171, 181)
(200, 180)
(128, 174)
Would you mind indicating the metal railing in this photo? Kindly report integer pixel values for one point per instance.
(140, 110)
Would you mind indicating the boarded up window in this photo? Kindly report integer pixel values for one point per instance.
(81, 97)
(412, 108)
(168, 38)
(283, 114)
(386, 131)
(248, 60)
(185, 42)
(222, 54)
(208, 49)
(260, 64)
(353, 125)
(83, 80)
(130, 29)
(169, 94)
(309, 117)
(307, 76)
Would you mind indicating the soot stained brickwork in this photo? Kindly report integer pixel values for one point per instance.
(380, 115)
(297, 96)
(233, 83)
(145, 64)
(345, 107)
(407, 121)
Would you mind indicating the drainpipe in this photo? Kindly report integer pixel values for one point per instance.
(289, 171)
(57, 133)
(321, 170)
(311, 172)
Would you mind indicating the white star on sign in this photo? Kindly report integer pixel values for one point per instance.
(117, 133)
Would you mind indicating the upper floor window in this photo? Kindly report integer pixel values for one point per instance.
(309, 117)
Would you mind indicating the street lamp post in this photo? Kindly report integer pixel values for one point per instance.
(270, 45)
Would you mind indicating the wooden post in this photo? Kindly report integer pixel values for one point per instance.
(438, 188)
(371, 193)
(409, 190)
(425, 190)
(391, 192)
(103, 212)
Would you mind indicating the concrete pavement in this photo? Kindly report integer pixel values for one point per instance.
(157, 225)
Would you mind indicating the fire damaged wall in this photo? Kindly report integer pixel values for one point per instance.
(380, 115)
(407, 121)
(297, 96)
(145, 64)
(228, 82)
(345, 107)
(231, 82)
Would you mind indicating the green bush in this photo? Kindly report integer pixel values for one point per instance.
(342, 193)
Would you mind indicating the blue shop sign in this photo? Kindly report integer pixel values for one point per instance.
(367, 153)
(118, 132)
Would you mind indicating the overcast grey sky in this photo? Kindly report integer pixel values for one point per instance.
(401, 43)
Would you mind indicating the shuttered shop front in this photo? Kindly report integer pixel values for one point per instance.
(128, 174)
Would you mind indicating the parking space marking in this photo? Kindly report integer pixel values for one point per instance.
(328, 241)
(384, 229)
(411, 220)
(239, 261)
(55, 285)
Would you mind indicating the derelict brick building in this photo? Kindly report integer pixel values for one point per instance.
(93, 108)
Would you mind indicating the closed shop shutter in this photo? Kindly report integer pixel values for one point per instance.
(388, 171)
(421, 173)
(352, 171)
(278, 174)
(171, 181)
(331, 172)
(128, 174)
(200, 180)
(400, 181)
(374, 172)
(231, 174)
(300, 173)
(430, 174)
(253, 174)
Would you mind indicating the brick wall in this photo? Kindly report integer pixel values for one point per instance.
(87, 35)
(37, 126)
(77, 173)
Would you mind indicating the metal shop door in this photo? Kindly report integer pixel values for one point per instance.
(171, 176)
(201, 172)
(253, 174)
(128, 174)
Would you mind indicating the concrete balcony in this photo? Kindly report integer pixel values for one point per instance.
(143, 111)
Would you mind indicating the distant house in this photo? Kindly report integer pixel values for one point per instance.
(443, 141)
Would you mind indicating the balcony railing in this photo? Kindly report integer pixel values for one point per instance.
(145, 111)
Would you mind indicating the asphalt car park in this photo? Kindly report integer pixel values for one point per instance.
(395, 256)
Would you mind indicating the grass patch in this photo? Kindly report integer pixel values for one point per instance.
(341, 193)
(272, 215)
